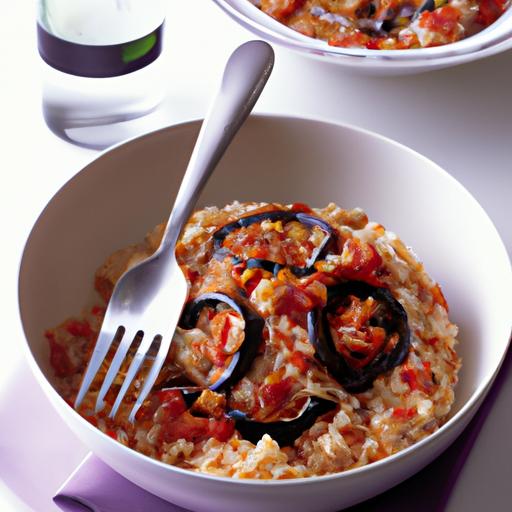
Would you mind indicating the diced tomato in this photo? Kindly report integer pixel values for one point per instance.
(59, 359)
(148, 408)
(290, 299)
(353, 435)
(300, 361)
(418, 378)
(373, 44)
(253, 282)
(366, 341)
(225, 331)
(360, 260)
(316, 291)
(349, 40)
(195, 429)
(403, 414)
(489, 11)
(259, 252)
(443, 21)
(192, 275)
(275, 395)
(79, 328)
(221, 429)
(432, 341)
(300, 207)
(112, 434)
(284, 339)
(172, 402)
(186, 427)
(408, 375)
(237, 271)
(98, 310)
(281, 9)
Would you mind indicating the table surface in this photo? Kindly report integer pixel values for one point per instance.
(460, 118)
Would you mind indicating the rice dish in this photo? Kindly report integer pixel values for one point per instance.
(313, 342)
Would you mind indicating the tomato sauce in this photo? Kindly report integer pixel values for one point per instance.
(385, 24)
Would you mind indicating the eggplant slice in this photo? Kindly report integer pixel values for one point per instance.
(391, 317)
(274, 216)
(253, 335)
(283, 432)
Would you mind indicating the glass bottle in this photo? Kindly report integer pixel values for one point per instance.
(101, 67)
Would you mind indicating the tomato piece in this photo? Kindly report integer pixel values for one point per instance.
(373, 44)
(301, 207)
(112, 434)
(221, 429)
(98, 311)
(281, 9)
(403, 414)
(290, 300)
(172, 402)
(275, 395)
(364, 342)
(349, 40)
(227, 328)
(432, 341)
(186, 427)
(251, 279)
(148, 408)
(300, 361)
(360, 261)
(444, 21)
(59, 359)
(192, 275)
(195, 429)
(408, 375)
(79, 328)
(489, 11)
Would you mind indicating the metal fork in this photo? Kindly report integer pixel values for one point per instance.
(148, 299)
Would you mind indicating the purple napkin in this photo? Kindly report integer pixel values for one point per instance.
(94, 487)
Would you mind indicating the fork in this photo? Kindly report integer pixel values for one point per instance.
(148, 299)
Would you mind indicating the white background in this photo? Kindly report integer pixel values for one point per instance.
(461, 118)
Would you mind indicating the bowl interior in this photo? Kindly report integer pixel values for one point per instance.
(120, 196)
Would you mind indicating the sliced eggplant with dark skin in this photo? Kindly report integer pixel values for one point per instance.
(274, 216)
(346, 368)
(253, 335)
(283, 432)
(269, 266)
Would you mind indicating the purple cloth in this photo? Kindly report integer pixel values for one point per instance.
(94, 487)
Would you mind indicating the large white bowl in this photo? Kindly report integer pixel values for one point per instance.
(494, 39)
(116, 199)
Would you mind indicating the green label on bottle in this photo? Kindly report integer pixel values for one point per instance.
(137, 49)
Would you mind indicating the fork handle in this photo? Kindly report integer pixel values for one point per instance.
(245, 76)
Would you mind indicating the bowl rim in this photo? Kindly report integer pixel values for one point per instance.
(463, 415)
(471, 47)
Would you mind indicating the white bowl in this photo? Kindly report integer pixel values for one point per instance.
(117, 198)
(494, 39)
